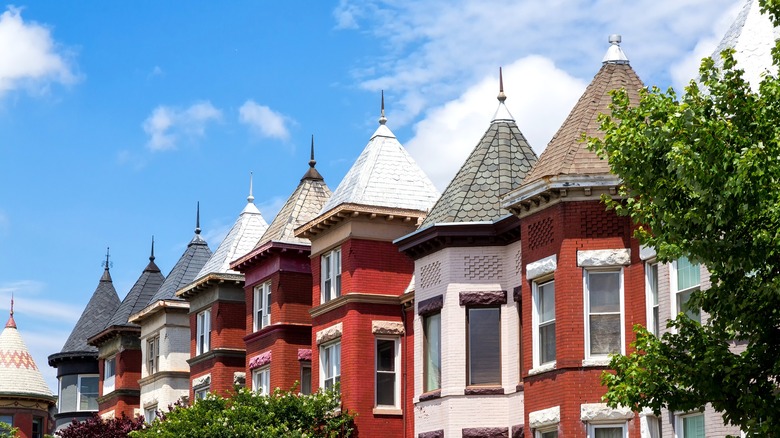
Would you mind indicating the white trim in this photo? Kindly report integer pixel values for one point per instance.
(586, 309)
(646, 252)
(600, 413)
(678, 423)
(109, 381)
(396, 371)
(542, 368)
(651, 324)
(592, 428)
(604, 257)
(203, 332)
(535, 323)
(330, 275)
(673, 292)
(545, 417)
(261, 306)
(334, 347)
(263, 386)
(545, 266)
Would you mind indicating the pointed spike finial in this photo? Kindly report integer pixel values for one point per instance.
(501, 95)
(151, 257)
(382, 118)
(250, 199)
(12, 304)
(107, 263)
(312, 161)
(197, 219)
(11, 323)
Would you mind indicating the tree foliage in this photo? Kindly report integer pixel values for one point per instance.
(248, 414)
(701, 174)
(97, 427)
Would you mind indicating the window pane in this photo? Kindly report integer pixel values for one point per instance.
(484, 346)
(385, 355)
(89, 394)
(693, 426)
(604, 334)
(682, 305)
(385, 389)
(68, 393)
(547, 302)
(432, 352)
(604, 288)
(551, 434)
(306, 380)
(547, 343)
(609, 432)
(7, 419)
(687, 274)
(652, 277)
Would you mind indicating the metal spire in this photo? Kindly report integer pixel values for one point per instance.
(312, 161)
(107, 263)
(501, 95)
(11, 323)
(151, 257)
(197, 219)
(250, 198)
(382, 118)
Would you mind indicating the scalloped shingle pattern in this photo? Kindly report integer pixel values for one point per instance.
(136, 300)
(18, 372)
(242, 238)
(385, 175)
(190, 263)
(566, 154)
(495, 166)
(302, 206)
(99, 310)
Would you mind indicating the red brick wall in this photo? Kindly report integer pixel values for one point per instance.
(283, 342)
(23, 418)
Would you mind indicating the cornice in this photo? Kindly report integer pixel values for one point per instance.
(549, 191)
(347, 211)
(353, 298)
(258, 254)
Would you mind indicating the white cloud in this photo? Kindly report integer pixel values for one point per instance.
(270, 207)
(29, 57)
(448, 133)
(264, 121)
(167, 124)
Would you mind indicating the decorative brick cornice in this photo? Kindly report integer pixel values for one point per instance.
(258, 254)
(483, 298)
(354, 297)
(431, 305)
(218, 352)
(196, 287)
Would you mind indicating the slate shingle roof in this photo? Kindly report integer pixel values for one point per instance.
(100, 308)
(497, 164)
(136, 300)
(19, 375)
(184, 272)
(385, 175)
(566, 154)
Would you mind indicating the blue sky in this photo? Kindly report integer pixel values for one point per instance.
(117, 117)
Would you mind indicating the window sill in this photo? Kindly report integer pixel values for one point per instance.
(484, 390)
(596, 362)
(431, 395)
(388, 411)
(542, 368)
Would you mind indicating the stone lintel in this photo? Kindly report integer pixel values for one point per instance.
(431, 305)
(541, 267)
(483, 298)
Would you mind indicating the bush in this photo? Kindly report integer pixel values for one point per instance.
(96, 427)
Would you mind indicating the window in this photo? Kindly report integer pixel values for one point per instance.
(650, 426)
(330, 358)
(109, 373)
(653, 318)
(484, 346)
(201, 392)
(685, 280)
(202, 342)
(603, 319)
(37, 427)
(305, 378)
(78, 393)
(331, 275)
(153, 354)
(606, 431)
(546, 434)
(150, 413)
(261, 380)
(690, 426)
(388, 354)
(432, 352)
(262, 305)
(544, 323)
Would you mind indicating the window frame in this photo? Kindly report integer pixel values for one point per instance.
(305, 389)
(261, 380)
(330, 275)
(396, 372)
(592, 428)
(537, 289)
(469, 342)
(203, 332)
(201, 392)
(586, 306)
(675, 291)
(679, 419)
(261, 317)
(153, 354)
(150, 414)
(326, 350)
(539, 433)
(37, 421)
(79, 392)
(427, 368)
(109, 381)
(653, 316)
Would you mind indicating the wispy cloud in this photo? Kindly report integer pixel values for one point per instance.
(27, 301)
(270, 207)
(29, 56)
(264, 121)
(166, 125)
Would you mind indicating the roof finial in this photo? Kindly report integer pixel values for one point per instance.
(501, 95)
(312, 161)
(107, 263)
(615, 54)
(250, 199)
(11, 323)
(382, 118)
(151, 257)
(197, 219)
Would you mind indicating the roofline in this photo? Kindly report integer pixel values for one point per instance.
(349, 210)
(502, 231)
(158, 306)
(264, 250)
(38, 397)
(65, 355)
(542, 191)
(109, 332)
(203, 282)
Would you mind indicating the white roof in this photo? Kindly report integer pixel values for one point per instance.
(385, 175)
(18, 373)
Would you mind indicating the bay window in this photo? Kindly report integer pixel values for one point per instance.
(330, 363)
(543, 297)
(484, 345)
(78, 393)
(604, 316)
(432, 352)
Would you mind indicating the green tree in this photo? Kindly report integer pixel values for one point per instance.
(701, 174)
(247, 414)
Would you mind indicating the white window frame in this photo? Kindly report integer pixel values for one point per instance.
(592, 428)
(203, 332)
(586, 302)
(153, 354)
(150, 414)
(396, 372)
(653, 309)
(262, 306)
(330, 273)
(261, 380)
(674, 286)
(648, 424)
(537, 284)
(77, 402)
(335, 374)
(539, 433)
(109, 379)
(428, 363)
(678, 423)
(305, 390)
(201, 392)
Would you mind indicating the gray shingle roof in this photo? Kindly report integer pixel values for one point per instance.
(136, 300)
(302, 206)
(385, 175)
(498, 164)
(566, 154)
(19, 375)
(190, 263)
(100, 308)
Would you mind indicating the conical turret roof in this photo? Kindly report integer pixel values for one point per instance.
(19, 375)
(302, 206)
(241, 238)
(142, 291)
(385, 175)
(497, 164)
(100, 308)
(567, 154)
